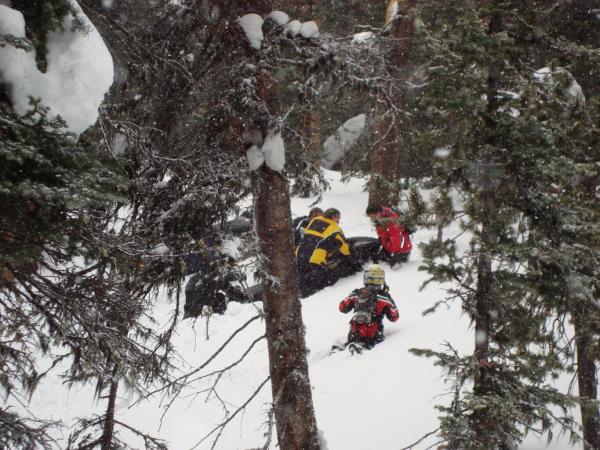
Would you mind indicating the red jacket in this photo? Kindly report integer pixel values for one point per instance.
(384, 306)
(393, 236)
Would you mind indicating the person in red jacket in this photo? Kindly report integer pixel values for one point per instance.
(370, 305)
(393, 235)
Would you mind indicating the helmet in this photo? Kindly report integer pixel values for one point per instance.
(374, 275)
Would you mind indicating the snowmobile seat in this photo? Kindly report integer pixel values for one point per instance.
(362, 248)
(251, 295)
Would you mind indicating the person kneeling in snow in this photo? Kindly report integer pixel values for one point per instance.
(394, 236)
(323, 256)
(370, 304)
(210, 290)
(299, 224)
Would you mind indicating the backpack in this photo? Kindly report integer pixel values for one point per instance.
(364, 306)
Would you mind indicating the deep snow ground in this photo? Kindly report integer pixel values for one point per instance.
(382, 399)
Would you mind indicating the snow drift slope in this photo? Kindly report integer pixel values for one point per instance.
(382, 399)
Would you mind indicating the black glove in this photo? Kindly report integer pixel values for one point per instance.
(331, 264)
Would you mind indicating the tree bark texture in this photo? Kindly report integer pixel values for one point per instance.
(295, 419)
(109, 418)
(302, 10)
(587, 378)
(288, 366)
(311, 128)
(312, 125)
(483, 424)
(587, 383)
(482, 384)
(389, 143)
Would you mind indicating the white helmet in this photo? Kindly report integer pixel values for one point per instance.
(374, 275)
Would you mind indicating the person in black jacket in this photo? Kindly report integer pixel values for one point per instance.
(209, 290)
(299, 224)
(323, 255)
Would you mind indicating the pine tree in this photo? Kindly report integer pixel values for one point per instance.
(490, 107)
(223, 116)
(575, 60)
(68, 288)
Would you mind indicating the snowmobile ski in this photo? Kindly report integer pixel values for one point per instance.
(352, 347)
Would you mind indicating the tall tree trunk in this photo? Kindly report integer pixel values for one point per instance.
(482, 386)
(292, 398)
(303, 10)
(585, 326)
(484, 425)
(312, 125)
(587, 382)
(304, 186)
(288, 366)
(383, 156)
(109, 418)
(389, 143)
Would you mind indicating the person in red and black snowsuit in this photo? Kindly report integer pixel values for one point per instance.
(393, 235)
(370, 305)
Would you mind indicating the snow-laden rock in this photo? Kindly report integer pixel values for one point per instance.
(335, 146)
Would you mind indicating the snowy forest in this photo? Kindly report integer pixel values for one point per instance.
(140, 138)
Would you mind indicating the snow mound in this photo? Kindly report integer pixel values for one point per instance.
(11, 22)
(255, 157)
(279, 17)
(335, 146)
(309, 29)
(252, 26)
(272, 153)
(362, 38)
(78, 74)
(293, 28)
